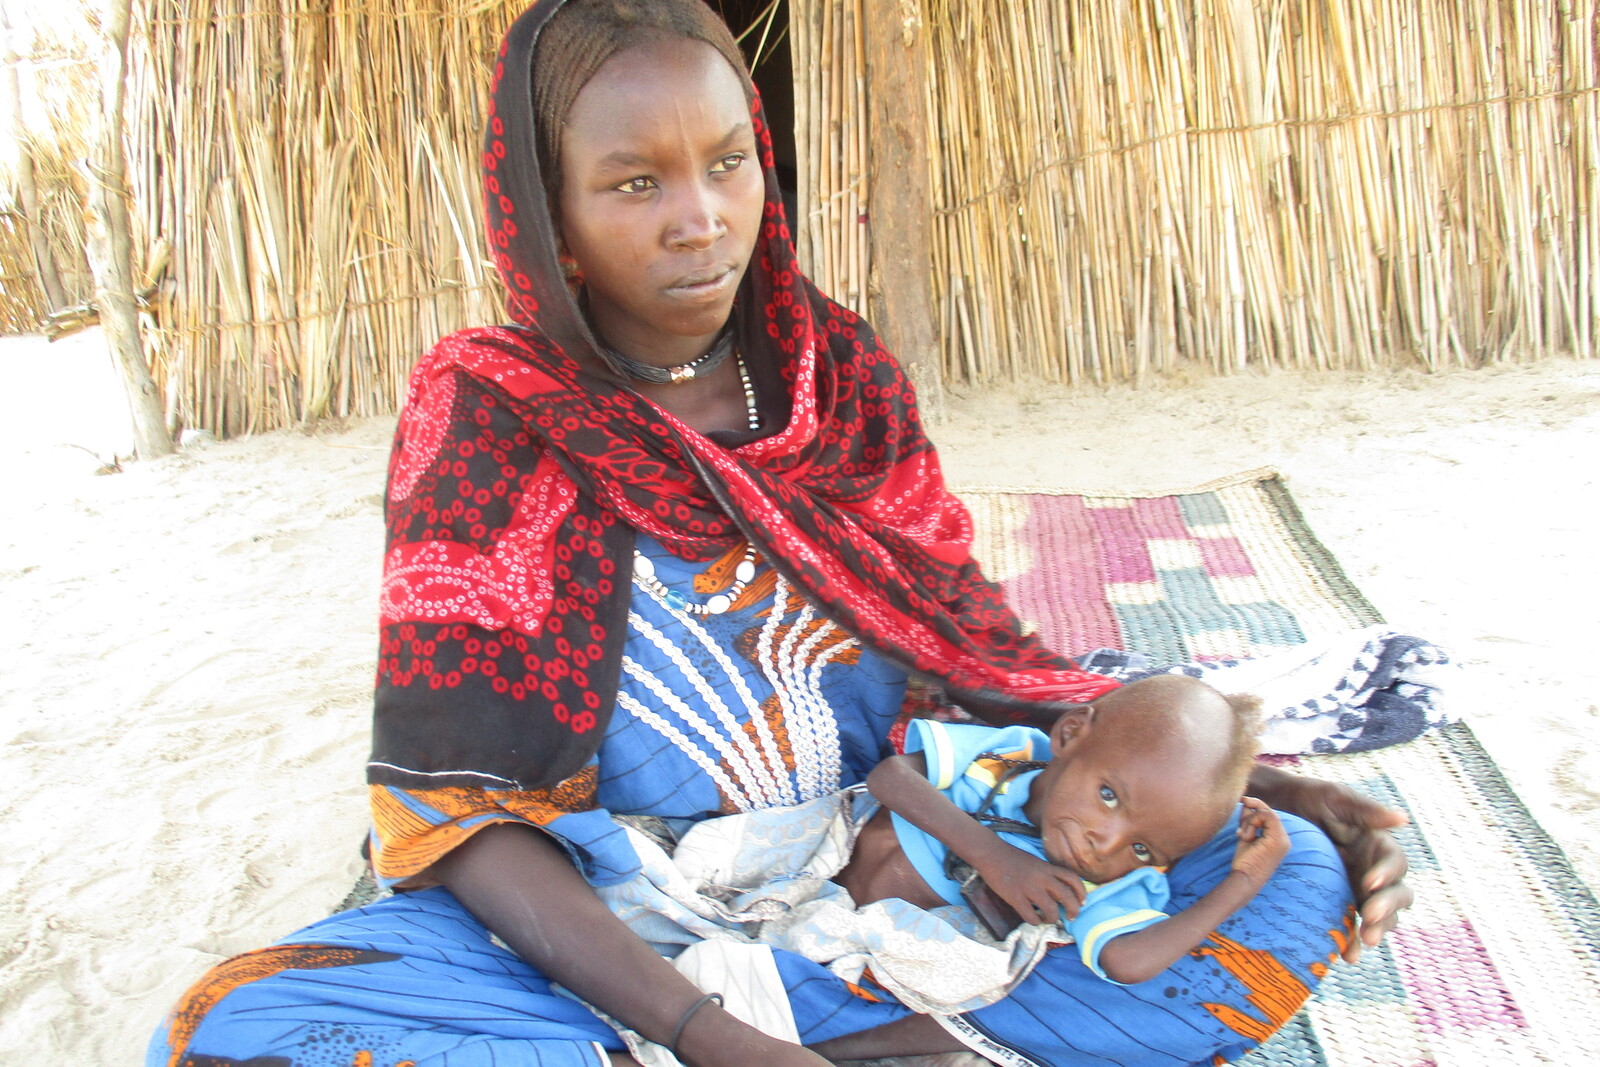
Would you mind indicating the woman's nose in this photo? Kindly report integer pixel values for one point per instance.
(696, 220)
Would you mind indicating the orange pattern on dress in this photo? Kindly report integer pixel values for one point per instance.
(720, 576)
(793, 635)
(1274, 991)
(793, 602)
(862, 991)
(410, 843)
(1341, 940)
(772, 713)
(229, 975)
(578, 793)
(761, 589)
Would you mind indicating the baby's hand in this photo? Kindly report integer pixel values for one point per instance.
(1263, 842)
(1036, 888)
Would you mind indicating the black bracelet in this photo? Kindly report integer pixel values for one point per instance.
(672, 1046)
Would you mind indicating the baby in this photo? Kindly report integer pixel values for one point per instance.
(1117, 790)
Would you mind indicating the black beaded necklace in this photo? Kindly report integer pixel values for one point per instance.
(698, 367)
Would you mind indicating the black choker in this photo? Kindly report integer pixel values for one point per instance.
(720, 350)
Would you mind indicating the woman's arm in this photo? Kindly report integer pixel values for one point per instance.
(520, 885)
(1359, 827)
(914, 1035)
(1142, 954)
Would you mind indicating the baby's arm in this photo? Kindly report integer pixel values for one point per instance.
(1035, 888)
(1141, 955)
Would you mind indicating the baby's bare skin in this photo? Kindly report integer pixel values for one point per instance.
(879, 869)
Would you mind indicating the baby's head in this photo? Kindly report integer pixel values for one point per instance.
(1144, 775)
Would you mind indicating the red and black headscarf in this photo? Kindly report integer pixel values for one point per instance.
(523, 467)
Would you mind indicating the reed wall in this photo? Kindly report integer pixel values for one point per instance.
(24, 305)
(831, 135)
(1119, 188)
(314, 165)
(46, 83)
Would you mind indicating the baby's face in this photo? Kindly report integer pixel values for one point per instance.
(1115, 798)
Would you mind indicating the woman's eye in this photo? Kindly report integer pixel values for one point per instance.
(728, 164)
(1142, 852)
(635, 185)
(1109, 796)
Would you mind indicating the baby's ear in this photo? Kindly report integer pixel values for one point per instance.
(1073, 723)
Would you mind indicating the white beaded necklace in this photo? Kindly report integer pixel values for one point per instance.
(752, 413)
(644, 568)
(644, 573)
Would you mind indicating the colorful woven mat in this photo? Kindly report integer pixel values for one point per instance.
(1498, 962)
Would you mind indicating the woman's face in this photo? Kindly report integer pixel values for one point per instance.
(661, 197)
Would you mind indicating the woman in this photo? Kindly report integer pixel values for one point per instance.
(670, 547)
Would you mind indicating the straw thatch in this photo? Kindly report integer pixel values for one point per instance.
(315, 170)
(1120, 188)
(46, 86)
(1116, 189)
(831, 129)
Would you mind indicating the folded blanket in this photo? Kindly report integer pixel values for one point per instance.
(1358, 690)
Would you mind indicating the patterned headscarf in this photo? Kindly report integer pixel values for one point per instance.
(522, 469)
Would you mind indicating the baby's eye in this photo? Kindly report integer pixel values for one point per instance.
(1142, 852)
(728, 164)
(636, 185)
(1109, 796)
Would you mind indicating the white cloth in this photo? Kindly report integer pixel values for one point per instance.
(762, 878)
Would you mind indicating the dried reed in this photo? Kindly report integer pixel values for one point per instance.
(831, 145)
(1123, 188)
(47, 88)
(323, 210)
(1117, 189)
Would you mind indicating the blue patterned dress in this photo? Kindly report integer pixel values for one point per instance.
(765, 705)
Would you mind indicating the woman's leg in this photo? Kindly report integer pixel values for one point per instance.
(1222, 1000)
(413, 978)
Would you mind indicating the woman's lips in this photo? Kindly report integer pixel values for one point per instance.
(703, 284)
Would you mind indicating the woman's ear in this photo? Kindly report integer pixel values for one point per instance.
(1073, 724)
(569, 266)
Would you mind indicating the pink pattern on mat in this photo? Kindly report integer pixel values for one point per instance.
(1064, 594)
(1225, 557)
(1126, 553)
(1125, 534)
(1161, 517)
(1452, 981)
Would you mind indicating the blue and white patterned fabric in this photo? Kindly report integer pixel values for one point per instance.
(1355, 691)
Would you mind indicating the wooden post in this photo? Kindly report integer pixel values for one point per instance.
(899, 208)
(110, 244)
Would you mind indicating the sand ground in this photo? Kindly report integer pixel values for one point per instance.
(189, 643)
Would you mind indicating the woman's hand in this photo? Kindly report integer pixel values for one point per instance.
(1036, 889)
(1359, 827)
(1263, 842)
(521, 885)
(773, 1053)
(720, 1040)
(783, 1054)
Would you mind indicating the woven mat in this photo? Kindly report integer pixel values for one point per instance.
(1499, 960)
